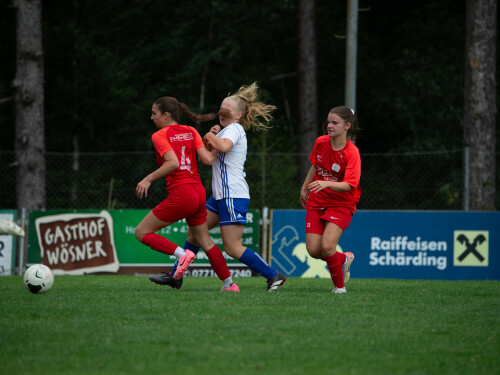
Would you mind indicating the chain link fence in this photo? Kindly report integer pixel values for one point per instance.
(406, 181)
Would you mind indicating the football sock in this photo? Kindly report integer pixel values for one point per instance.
(334, 263)
(257, 264)
(219, 264)
(159, 243)
(228, 282)
(179, 252)
(187, 246)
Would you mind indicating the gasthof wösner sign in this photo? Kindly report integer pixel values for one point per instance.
(77, 243)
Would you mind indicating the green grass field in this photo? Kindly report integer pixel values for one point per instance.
(128, 325)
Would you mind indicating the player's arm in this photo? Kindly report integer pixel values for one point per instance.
(214, 130)
(170, 165)
(220, 144)
(205, 153)
(206, 157)
(304, 193)
(318, 185)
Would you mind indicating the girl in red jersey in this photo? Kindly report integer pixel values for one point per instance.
(331, 191)
(176, 149)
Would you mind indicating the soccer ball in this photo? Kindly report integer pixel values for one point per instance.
(38, 279)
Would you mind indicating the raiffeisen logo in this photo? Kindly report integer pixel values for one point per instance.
(402, 252)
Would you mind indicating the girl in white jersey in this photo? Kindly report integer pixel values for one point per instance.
(230, 198)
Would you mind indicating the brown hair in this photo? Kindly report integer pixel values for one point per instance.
(252, 110)
(172, 106)
(348, 115)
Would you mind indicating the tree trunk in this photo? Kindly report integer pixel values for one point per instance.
(480, 103)
(307, 95)
(29, 102)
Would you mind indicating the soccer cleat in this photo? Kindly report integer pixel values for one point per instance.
(339, 290)
(232, 288)
(184, 262)
(164, 278)
(9, 227)
(274, 283)
(347, 266)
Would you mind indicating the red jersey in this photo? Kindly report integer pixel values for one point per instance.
(331, 165)
(184, 141)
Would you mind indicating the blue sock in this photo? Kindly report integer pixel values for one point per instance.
(187, 246)
(256, 263)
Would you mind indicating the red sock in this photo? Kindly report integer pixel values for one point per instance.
(334, 263)
(218, 262)
(159, 243)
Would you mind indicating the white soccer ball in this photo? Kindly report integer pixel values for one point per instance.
(38, 279)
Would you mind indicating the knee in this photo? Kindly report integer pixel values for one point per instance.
(139, 234)
(234, 251)
(315, 253)
(329, 249)
(233, 254)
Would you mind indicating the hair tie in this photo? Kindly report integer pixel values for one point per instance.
(352, 110)
(244, 99)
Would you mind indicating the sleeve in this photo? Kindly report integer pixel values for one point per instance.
(312, 157)
(232, 133)
(353, 169)
(161, 143)
(198, 142)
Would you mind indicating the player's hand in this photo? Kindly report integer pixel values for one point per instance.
(303, 197)
(215, 129)
(142, 188)
(318, 185)
(207, 143)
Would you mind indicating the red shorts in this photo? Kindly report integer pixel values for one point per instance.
(184, 202)
(316, 218)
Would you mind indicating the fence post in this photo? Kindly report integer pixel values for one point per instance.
(21, 244)
(466, 178)
(265, 233)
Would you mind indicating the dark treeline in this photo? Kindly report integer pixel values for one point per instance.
(106, 61)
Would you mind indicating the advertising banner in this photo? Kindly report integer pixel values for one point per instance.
(7, 246)
(77, 243)
(397, 244)
(92, 241)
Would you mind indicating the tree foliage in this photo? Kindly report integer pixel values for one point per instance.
(106, 61)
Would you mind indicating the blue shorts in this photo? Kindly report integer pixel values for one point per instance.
(231, 211)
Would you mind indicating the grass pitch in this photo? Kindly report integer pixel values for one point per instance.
(128, 325)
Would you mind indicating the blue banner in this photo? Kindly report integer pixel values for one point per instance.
(397, 244)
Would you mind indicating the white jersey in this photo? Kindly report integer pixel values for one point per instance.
(228, 172)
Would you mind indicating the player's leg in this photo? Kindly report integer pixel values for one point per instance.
(176, 207)
(191, 242)
(145, 233)
(215, 256)
(313, 245)
(212, 222)
(231, 239)
(198, 233)
(212, 219)
(334, 259)
(315, 227)
(342, 218)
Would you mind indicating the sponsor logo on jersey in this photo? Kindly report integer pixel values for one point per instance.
(181, 137)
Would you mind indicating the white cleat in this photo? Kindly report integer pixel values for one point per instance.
(9, 227)
(347, 267)
(339, 290)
